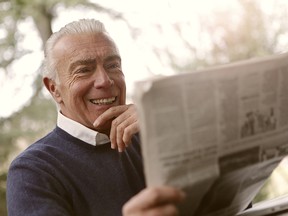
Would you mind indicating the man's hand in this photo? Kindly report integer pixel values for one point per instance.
(124, 124)
(154, 201)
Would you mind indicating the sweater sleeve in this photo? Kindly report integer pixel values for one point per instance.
(32, 190)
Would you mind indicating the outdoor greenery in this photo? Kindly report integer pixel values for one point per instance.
(252, 33)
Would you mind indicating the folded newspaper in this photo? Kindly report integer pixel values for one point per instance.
(217, 133)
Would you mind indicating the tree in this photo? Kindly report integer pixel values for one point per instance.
(38, 115)
(228, 35)
(249, 32)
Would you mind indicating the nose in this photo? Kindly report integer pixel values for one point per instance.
(102, 79)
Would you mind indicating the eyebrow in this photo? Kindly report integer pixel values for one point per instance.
(112, 57)
(93, 61)
(81, 62)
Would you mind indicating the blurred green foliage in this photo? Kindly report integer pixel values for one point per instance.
(38, 116)
(20, 130)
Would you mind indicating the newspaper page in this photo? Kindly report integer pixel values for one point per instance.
(277, 206)
(217, 133)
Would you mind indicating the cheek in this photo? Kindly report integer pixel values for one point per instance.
(78, 89)
(65, 77)
(72, 81)
(122, 87)
(119, 79)
(74, 84)
(73, 90)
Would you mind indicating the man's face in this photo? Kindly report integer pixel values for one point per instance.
(90, 77)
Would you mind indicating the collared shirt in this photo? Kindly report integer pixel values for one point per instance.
(81, 132)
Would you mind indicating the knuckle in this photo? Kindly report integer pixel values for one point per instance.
(126, 139)
(127, 130)
(112, 109)
(165, 210)
(153, 193)
(127, 135)
(112, 138)
(172, 209)
(114, 123)
(156, 212)
(120, 129)
(125, 207)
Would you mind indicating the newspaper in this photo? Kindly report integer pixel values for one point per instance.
(277, 206)
(217, 133)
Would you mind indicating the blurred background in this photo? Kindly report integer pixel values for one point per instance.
(154, 37)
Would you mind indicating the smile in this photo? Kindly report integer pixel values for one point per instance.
(104, 101)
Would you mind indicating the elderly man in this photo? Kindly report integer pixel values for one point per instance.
(75, 169)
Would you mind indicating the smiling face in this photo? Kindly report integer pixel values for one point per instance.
(90, 77)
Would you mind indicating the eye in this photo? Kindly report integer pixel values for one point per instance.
(85, 70)
(114, 65)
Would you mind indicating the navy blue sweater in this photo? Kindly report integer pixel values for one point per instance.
(62, 175)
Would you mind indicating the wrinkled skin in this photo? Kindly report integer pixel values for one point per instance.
(91, 90)
(91, 86)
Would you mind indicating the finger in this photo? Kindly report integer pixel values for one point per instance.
(118, 128)
(168, 210)
(125, 131)
(110, 114)
(162, 210)
(155, 196)
(129, 132)
(113, 134)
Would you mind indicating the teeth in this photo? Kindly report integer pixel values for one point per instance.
(104, 101)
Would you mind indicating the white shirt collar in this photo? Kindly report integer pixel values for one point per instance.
(81, 132)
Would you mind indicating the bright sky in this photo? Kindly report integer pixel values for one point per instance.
(138, 59)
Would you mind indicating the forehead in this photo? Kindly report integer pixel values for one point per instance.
(85, 46)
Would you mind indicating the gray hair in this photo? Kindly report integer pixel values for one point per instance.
(77, 27)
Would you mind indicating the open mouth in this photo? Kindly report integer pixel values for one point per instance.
(103, 101)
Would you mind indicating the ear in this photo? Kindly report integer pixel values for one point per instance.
(53, 89)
